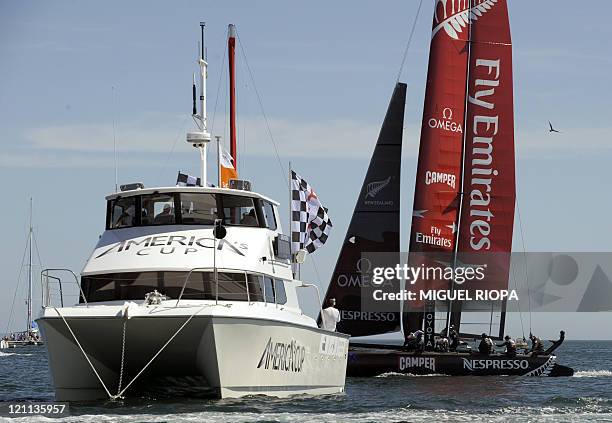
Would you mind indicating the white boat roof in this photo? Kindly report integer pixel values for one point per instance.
(211, 190)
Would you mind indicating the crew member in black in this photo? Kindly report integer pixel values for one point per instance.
(486, 345)
(454, 338)
(537, 347)
(510, 346)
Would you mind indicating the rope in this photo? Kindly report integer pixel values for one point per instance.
(178, 135)
(8, 324)
(518, 209)
(221, 72)
(409, 41)
(84, 353)
(121, 392)
(263, 112)
(160, 350)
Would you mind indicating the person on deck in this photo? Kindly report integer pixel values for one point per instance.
(330, 316)
(249, 219)
(442, 344)
(454, 338)
(537, 347)
(165, 217)
(420, 340)
(486, 345)
(510, 346)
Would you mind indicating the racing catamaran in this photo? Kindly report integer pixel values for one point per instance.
(463, 210)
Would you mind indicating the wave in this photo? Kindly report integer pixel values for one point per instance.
(394, 374)
(3, 354)
(517, 415)
(593, 373)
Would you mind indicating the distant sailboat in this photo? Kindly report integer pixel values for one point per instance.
(30, 336)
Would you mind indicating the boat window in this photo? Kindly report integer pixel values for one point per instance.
(279, 291)
(232, 286)
(198, 209)
(238, 210)
(268, 210)
(122, 212)
(98, 288)
(268, 288)
(157, 209)
(200, 286)
(255, 283)
(189, 209)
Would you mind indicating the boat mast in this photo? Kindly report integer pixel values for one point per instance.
(201, 139)
(231, 52)
(453, 317)
(29, 325)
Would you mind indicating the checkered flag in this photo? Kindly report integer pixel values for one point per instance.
(183, 180)
(310, 223)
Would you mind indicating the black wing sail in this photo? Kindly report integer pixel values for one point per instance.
(374, 227)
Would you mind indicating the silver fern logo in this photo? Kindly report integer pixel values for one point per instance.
(375, 187)
(458, 14)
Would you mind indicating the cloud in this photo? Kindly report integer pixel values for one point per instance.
(57, 159)
(157, 134)
(293, 138)
(540, 143)
(147, 134)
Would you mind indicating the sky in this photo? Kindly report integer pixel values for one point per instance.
(324, 72)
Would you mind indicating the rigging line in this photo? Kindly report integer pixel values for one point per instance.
(518, 303)
(263, 112)
(178, 135)
(416, 18)
(518, 209)
(314, 265)
(39, 260)
(36, 247)
(221, 72)
(114, 138)
(18, 282)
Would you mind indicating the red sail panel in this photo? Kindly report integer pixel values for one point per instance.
(487, 212)
(438, 176)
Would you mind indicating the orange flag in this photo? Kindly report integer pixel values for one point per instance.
(226, 164)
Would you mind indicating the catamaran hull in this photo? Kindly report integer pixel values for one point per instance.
(372, 361)
(220, 357)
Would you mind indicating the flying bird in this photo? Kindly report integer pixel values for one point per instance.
(551, 128)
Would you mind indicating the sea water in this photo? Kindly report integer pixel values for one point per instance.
(587, 396)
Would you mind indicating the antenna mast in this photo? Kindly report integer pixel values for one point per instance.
(201, 138)
(30, 275)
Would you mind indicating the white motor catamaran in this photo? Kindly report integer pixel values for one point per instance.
(190, 291)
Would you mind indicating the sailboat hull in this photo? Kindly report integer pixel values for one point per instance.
(367, 361)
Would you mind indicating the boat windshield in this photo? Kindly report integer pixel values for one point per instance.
(232, 286)
(189, 209)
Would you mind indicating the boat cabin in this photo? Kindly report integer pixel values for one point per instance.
(167, 234)
(190, 206)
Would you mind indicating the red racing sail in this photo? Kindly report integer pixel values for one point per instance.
(438, 178)
(489, 192)
(466, 154)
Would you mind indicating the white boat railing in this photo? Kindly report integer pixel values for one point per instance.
(45, 286)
